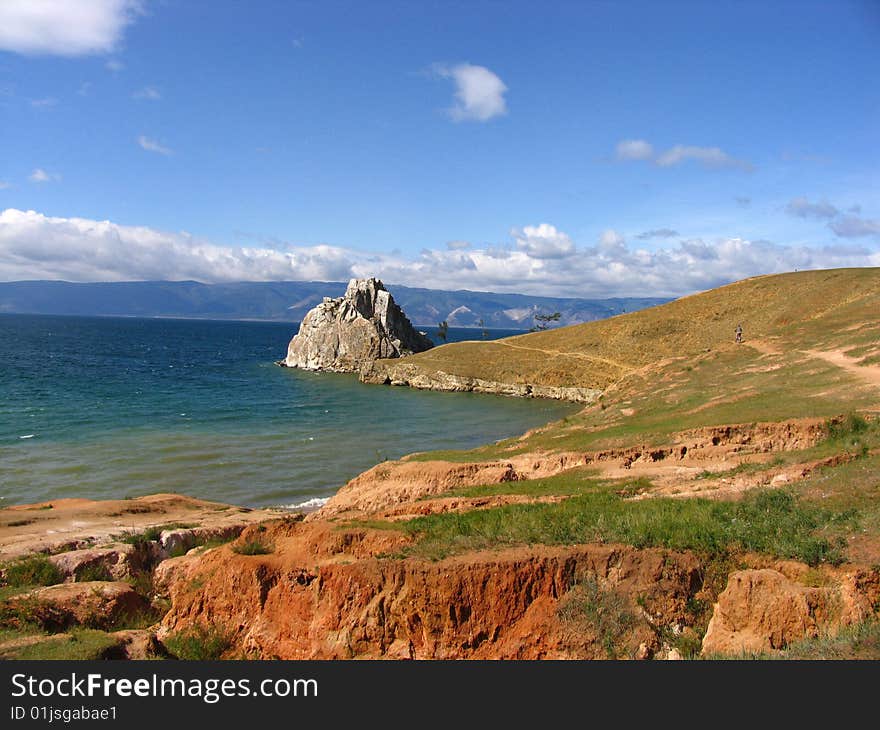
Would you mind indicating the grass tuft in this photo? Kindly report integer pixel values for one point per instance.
(93, 572)
(252, 547)
(604, 612)
(202, 643)
(36, 570)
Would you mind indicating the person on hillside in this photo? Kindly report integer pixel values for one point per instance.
(739, 333)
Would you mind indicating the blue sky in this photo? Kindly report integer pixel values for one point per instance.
(582, 149)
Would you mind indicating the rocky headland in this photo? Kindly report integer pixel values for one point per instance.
(343, 335)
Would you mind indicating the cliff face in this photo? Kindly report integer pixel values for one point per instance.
(344, 334)
(329, 593)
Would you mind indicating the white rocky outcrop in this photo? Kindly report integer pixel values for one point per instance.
(344, 334)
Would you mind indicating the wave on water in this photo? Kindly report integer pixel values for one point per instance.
(309, 504)
(27, 436)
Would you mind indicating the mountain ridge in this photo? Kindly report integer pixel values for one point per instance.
(289, 301)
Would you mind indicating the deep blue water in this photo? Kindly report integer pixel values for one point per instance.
(116, 407)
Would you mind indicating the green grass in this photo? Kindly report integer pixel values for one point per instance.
(10, 591)
(81, 644)
(861, 641)
(252, 547)
(36, 570)
(153, 534)
(852, 434)
(93, 572)
(774, 522)
(203, 643)
(216, 542)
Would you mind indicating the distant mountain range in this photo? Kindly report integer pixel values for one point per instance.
(288, 301)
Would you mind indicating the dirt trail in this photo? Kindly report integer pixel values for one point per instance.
(868, 373)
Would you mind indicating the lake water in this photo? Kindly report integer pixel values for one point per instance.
(120, 407)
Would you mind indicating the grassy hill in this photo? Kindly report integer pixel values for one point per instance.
(806, 309)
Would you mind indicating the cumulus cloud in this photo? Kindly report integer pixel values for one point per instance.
(711, 157)
(457, 245)
(39, 175)
(803, 208)
(150, 93)
(634, 149)
(657, 233)
(611, 242)
(543, 242)
(479, 93)
(64, 27)
(852, 226)
(152, 145)
(35, 246)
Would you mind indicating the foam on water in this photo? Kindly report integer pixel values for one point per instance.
(313, 503)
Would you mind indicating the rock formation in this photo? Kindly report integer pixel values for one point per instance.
(344, 334)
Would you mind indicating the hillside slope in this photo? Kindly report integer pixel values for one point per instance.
(805, 309)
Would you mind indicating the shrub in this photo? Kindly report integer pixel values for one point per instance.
(604, 611)
(252, 547)
(36, 570)
(93, 572)
(202, 643)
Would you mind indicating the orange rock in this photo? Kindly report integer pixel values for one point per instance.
(321, 595)
(763, 610)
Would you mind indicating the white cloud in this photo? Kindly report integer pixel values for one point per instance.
(39, 175)
(150, 93)
(4, 185)
(152, 145)
(114, 65)
(543, 242)
(852, 226)
(49, 101)
(64, 27)
(634, 149)
(611, 242)
(457, 245)
(707, 156)
(479, 93)
(712, 157)
(35, 246)
(803, 208)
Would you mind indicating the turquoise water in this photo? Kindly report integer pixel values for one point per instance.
(113, 407)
